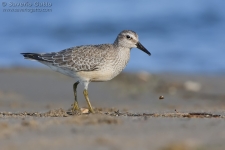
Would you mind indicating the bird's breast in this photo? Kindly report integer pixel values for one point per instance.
(120, 62)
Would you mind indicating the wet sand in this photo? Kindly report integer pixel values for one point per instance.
(35, 103)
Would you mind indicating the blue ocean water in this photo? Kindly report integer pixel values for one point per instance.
(183, 36)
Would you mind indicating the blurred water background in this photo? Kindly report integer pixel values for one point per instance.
(183, 36)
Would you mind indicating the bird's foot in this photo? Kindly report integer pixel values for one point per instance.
(72, 112)
(75, 108)
(90, 109)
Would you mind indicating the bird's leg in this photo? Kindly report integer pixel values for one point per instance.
(88, 101)
(75, 106)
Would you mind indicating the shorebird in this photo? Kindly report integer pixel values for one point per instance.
(91, 63)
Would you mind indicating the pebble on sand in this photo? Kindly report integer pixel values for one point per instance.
(161, 97)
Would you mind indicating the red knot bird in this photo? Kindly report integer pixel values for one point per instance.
(91, 63)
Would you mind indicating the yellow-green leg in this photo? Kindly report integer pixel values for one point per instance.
(75, 106)
(88, 101)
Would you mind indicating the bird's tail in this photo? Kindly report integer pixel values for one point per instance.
(32, 56)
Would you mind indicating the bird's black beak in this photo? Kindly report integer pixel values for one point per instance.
(141, 47)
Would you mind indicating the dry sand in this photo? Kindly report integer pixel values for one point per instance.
(130, 112)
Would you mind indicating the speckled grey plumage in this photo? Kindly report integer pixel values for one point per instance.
(92, 62)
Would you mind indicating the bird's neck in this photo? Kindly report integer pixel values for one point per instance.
(117, 43)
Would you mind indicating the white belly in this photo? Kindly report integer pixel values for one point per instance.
(95, 76)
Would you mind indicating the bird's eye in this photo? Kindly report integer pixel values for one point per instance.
(128, 37)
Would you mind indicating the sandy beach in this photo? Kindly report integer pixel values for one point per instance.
(35, 103)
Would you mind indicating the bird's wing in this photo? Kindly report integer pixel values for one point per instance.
(80, 58)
